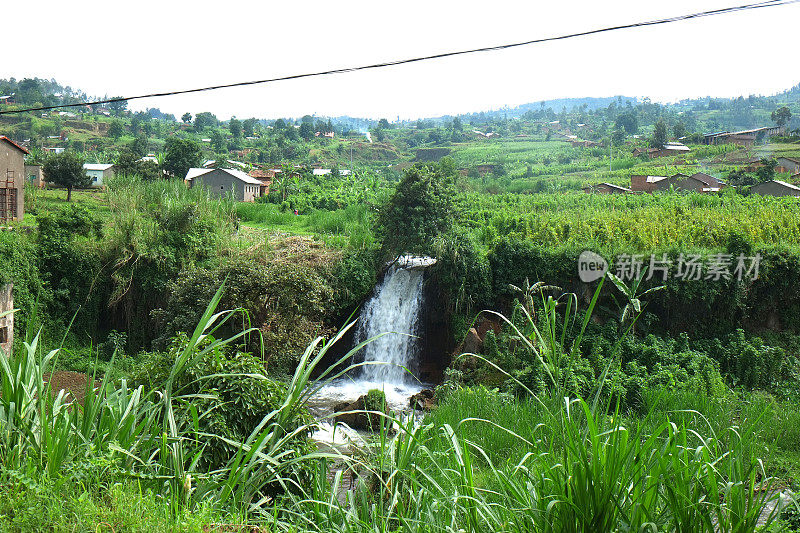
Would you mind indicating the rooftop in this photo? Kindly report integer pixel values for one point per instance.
(97, 166)
(15, 145)
(238, 174)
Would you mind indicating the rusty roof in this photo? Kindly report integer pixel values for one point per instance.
(15, 145)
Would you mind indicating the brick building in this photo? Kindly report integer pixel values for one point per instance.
(12, 180)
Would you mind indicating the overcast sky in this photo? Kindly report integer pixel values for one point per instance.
(128, 48)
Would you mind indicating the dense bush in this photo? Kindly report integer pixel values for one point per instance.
(71, 266)
(156, 230)
(354, 278)
(20, 266)
(286, 301)
(230, 395)
(462, 271)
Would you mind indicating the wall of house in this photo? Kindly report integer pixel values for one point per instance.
(13, 160)
(6, 322)
(96, 176)
(221, 183)
(33, 174)
(640, 183)
(787, 165)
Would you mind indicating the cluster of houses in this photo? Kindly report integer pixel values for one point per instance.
(240, 185)
(699, 182)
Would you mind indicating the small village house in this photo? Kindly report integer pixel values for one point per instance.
(699, 182)
(745, 138)
(12, 180)
(788, 164)
(33, 173)
(265, 176)
(326, 171)
(99, 172)
(669, 149)
(642, 183)
(606, 188)
(776, 188)
(7, 321)
(222, 182)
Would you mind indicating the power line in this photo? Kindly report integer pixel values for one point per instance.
(713, 12)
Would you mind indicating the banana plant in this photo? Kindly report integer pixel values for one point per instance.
(634, 304)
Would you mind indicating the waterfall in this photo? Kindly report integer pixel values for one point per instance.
(393, 308)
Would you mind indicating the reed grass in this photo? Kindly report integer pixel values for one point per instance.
(481, 462)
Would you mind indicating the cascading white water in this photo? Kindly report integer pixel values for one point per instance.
(393, 310)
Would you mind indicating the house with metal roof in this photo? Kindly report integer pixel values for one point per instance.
(743, 137)
(668, 150)
(643, 183)
(776, 188)
(788, 164)
(225, 182)
(99, 172)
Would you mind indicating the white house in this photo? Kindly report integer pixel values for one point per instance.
(99, 172)
(326, 171)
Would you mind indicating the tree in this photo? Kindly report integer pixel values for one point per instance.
(738, 178)
(628, 122)
(420, 209)
(186, 118)
(218, 142)
(679, 130)
(249, 127)
(766, 171)
(221, 161)
(181, 155)
(139, 145)
(659, 135)
(384, 124)
(66, 170)
(203, 120)
(118, 106)
(280, 124)
(307, 130)
(618, 137)
(781, 116)
(115, 129)
(235, 127)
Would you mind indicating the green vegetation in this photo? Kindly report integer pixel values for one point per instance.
(652, 404)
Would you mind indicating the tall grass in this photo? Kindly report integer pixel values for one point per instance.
(479, 463)
(551, 464)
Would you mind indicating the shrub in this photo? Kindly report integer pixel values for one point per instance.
(20, 261)
(229, 392)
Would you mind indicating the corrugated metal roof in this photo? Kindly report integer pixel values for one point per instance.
(238, 174)
(787, 185)
(97, 166)
(677, 146)
(194, 172)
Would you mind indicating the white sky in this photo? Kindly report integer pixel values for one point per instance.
(130, 48)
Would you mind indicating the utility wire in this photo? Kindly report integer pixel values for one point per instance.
(713, 12)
